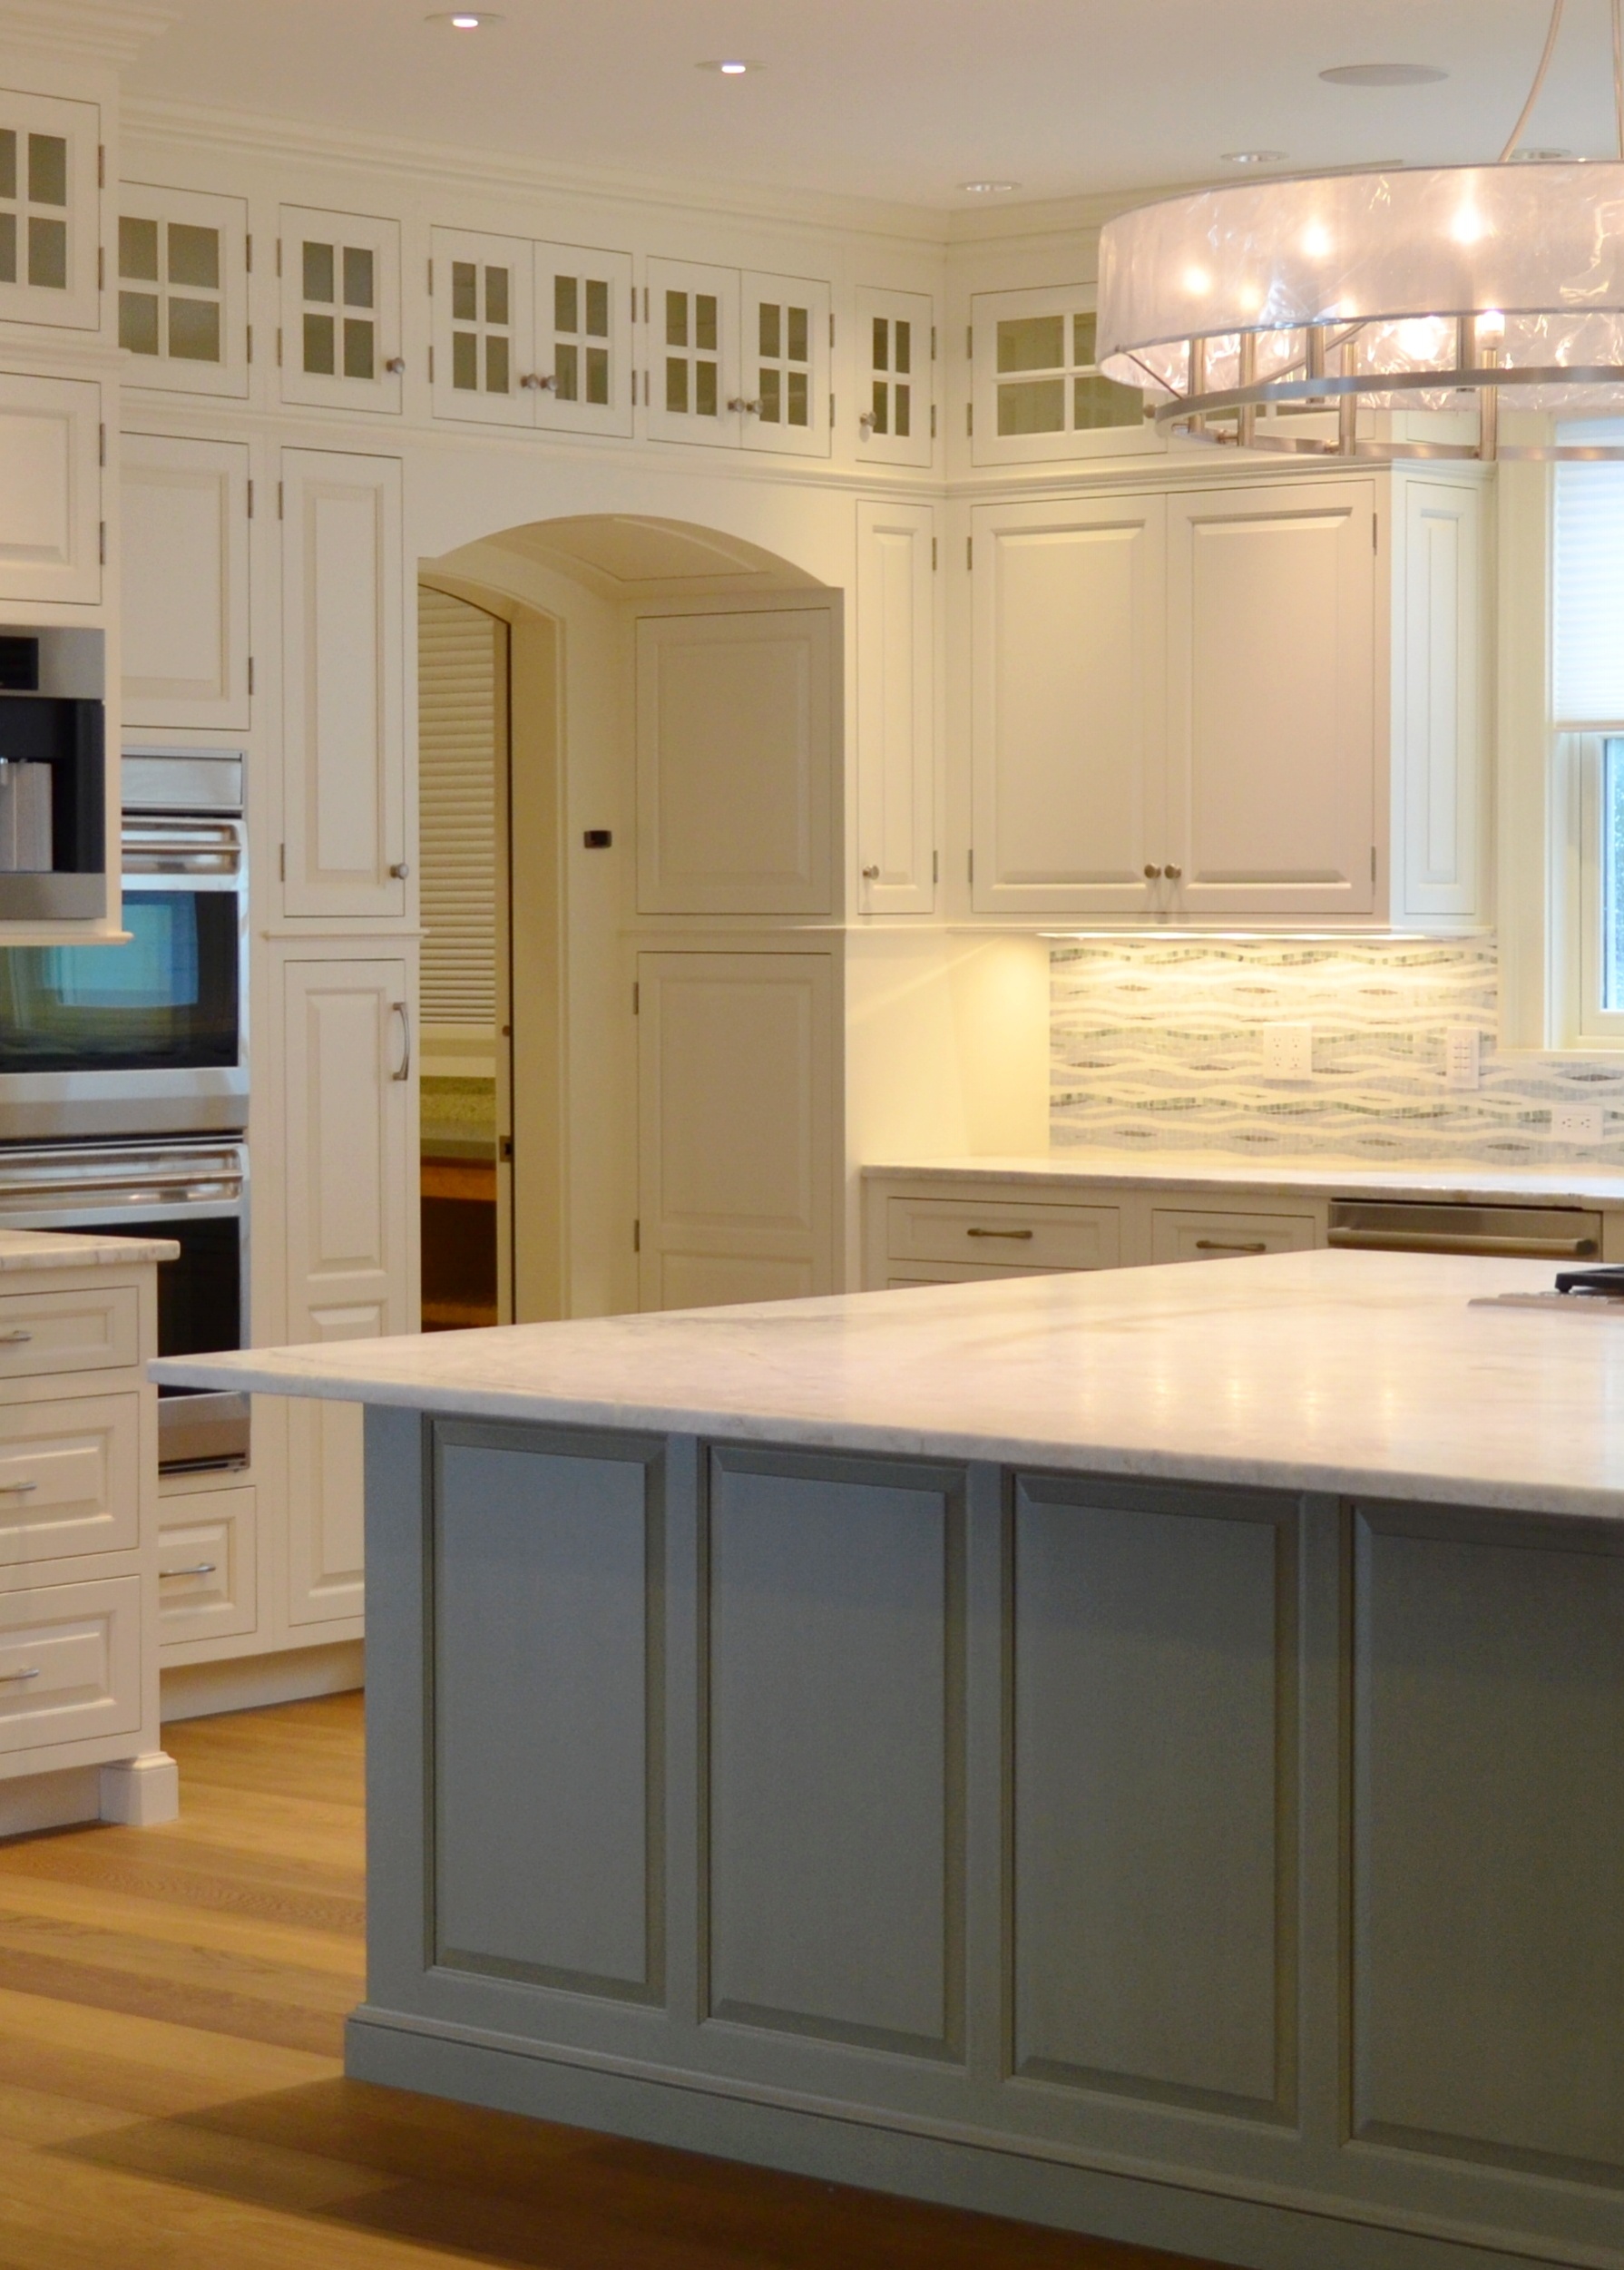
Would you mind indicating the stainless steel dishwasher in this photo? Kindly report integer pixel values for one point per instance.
(1536, 1233)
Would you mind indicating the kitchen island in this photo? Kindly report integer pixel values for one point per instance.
(1141, 1750)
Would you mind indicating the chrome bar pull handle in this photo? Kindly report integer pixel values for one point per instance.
(199, 1568)
(16, 1677)
(18, 1489)
(17, 1339)
(403, 1010)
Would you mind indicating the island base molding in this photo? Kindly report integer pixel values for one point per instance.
(998, 2179)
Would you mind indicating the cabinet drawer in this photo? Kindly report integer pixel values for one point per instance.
(70, 1477)
(70, 1663)
(1024, 1236)
(93, 1330)
(1180, 1235)
(206, 1567)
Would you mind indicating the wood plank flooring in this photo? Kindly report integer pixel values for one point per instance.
(171, 2095)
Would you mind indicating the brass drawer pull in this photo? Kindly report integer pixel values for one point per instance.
(1016, 1234)
(18, 1489)
(1220, 1244)
(198, 1568)
(17, 1676)
(17, 1339)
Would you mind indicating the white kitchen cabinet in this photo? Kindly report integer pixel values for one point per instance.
(1271, 700)
(895, 357)
(51, 538)
(1036, 392)
(532, 335)
(737, 1133)
(1253, 700)
(50, 235)
(896, 619)
(184, 579)
(736, 772)
(344, 781)
(1068, 662)
(182, 290)
(737, 360)
(349, 1128)
(339, 341)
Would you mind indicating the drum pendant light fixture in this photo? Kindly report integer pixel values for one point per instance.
(1404, 288)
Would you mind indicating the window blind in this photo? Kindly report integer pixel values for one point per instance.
(1588, 584)
(460, 704)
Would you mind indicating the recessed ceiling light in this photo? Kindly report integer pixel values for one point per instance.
(988, 189)
(463, 19)
(1252, 157)
(1383, 74)
(730, 67)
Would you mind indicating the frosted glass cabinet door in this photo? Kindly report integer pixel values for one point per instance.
(339, 343)
(1271, 679)
(482, 326)
(581, 366)
(784, 356)
(894, 355)
(184, 567)
(50, 488)
(182, 290)
(50, 220)
(1068, 729)
(691, 351)
(349, 1120)
(895, 708)
(344, 746)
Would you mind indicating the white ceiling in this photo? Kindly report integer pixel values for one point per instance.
(902, 100)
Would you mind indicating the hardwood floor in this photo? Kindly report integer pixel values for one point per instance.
(171, 2094)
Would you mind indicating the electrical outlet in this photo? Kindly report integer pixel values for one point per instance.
(1288, 1051)
(1459, 1056)
(1576, 1123)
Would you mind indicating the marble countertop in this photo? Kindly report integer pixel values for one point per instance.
(1357, 1371)
(71, 1249)
(1471, 1181)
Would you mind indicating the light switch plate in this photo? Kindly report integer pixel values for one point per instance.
(1459, 1056)
(1288, 1051)
(1576, 1123)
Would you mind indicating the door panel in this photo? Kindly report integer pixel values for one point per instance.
(185, 582)
(895, 708)
(1069, 647)
(344, 757)
(1271, 597)
(736, 1128)
(50, 488)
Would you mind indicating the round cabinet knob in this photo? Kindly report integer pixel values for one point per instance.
(1152, 875)
(395, 366)
(1173, 872)
(537, 384)
(400, 870)
(871, 874)
(753, 408)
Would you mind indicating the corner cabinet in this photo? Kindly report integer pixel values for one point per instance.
(1253, 700)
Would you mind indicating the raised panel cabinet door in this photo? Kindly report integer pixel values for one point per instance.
(737, 1134)
(344, 724)
(690, 353)
(1438, 706)
(1272, 717)
(736, 775)
(50, 227)
(784, 361)
(1069, 646)
(50, 488)
(348, 1096)
(183, 575)
(896, 730)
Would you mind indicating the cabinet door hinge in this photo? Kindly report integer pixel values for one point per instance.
(431, 365)
(970, 866)
(637, 1237)
(936, 867)
(250, 500)
(933, 421)
(1373, 862)
(831, 327)
(101, 165)
(634, 303)
(101, 542)
(970, 418)
(251, 676)
(831, 413)
(279, 255)
(282, 862)
(933, 555)
(102, 445)
(279, 500)
(250, 328)
(969, 340)
(430, 266)
(933, 342)
(279, 346)
(101, 268)
(248, 253)
(970, 551)
(637, 1000)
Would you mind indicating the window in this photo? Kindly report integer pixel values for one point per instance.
(48, 210)
(340, 309)
(1036, 391)
(1587, 692)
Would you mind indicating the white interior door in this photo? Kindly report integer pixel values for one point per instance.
(1069, 748)
(737, 1135)
(736, 768)
(344, 727)
(896, 619)
(349, 1123)
(184, 571)
(1271, 676)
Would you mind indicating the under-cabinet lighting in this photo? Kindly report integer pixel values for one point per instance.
(988, 189)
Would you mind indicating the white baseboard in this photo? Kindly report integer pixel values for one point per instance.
(49, 1801)
(253, 1682)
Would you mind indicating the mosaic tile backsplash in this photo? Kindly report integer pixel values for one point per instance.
(1158, 1045)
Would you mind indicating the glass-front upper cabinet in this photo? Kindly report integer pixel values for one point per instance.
(182, 290)
(532, 334)
(895, 369)
(49, 227)
(738, 360)
(1036, 393)
(339, 341)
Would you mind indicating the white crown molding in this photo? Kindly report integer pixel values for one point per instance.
(252, 135)
(107, 31)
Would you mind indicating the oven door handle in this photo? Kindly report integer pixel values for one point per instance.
(403, 1010)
